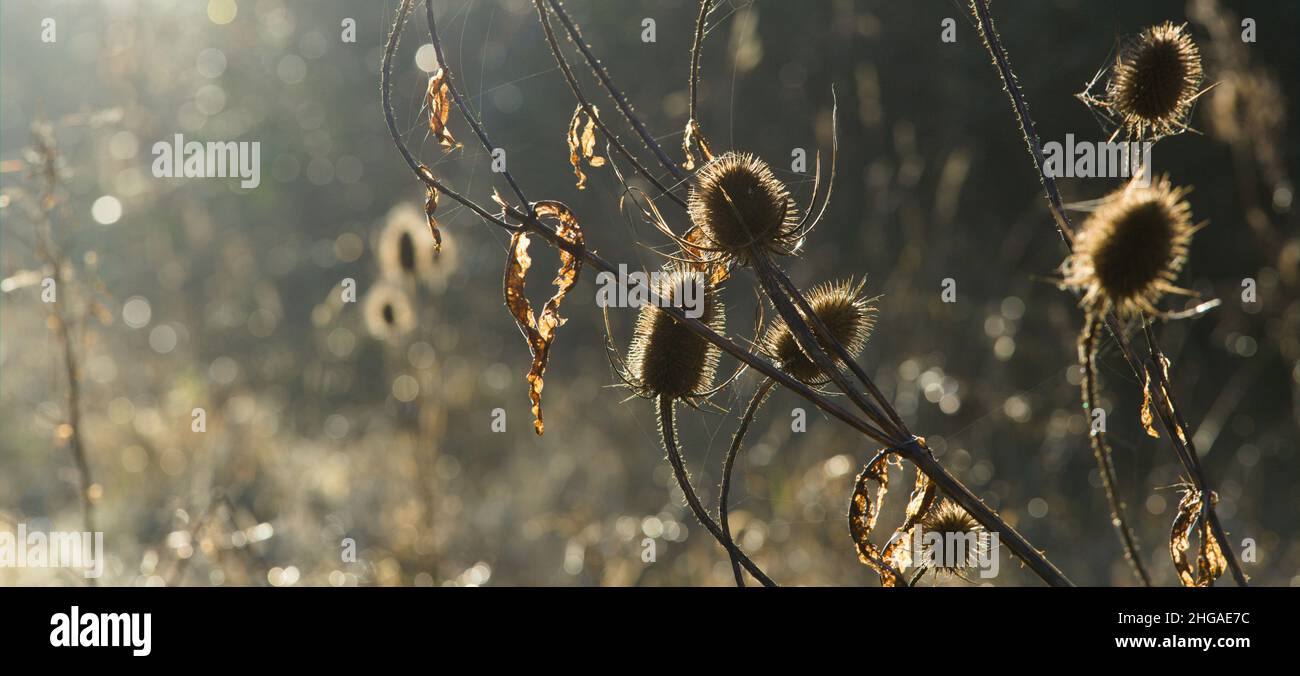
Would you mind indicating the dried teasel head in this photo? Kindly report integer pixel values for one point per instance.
(388, 311)
(1156, 78)
(742, 208)
(960, 538)
(843, 309)
(665, 358)
(1130, 250)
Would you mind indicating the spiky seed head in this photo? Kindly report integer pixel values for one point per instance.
(387, 311)
(665, 358)
(741, 207)
(950, 521)
(1131, 249)
(842, 308)
(1155, 80)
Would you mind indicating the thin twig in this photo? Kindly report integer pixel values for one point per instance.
(728, 463)
(1101, 449)
(668, 433)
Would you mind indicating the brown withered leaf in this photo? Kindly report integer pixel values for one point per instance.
(438, 100)
(717, 272)
(1148, 418)
(582, 143)
(695, 145)
(863, 512)
(430, 207)
(1210, 561)
(540, 330)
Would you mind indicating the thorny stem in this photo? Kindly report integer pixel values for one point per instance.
(1101, 449)
(614, 93)
(728, 463)
(529, 222)
(668, 433)
(1002, 63)
(590, 110)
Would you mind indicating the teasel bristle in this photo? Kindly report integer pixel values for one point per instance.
(848, 315)
(665, 358)
(742, 209)
(1156, 79)
(1130, 250)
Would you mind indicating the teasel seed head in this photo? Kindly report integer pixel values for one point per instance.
(842, 308)
(665, 358)
(406, 248)
(1131, 249)
(949, 520)
(741, 207)
(387, 311)
(1155, 80)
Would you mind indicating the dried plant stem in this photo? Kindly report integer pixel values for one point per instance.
(728, 463)
(694, 86)
(668, 433)
(1101, 449)
(1003, 63)
(590, 110)
(614, 93)
(1180, 436)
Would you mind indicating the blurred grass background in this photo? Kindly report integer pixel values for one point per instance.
(317, 431)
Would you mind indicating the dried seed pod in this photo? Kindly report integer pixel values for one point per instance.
(387, 311)
(842, 308)
(1155, 80)
(960, 537)
(1131, 249)
(741, 208)
(665, 358)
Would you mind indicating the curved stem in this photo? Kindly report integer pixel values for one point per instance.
(694, 83)
(1101, 449)
(728, 464)
(668, 433)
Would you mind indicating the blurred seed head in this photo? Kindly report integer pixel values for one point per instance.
(407, 251)
(842, 308)
(665, 357)
(388, 311)
(740, 206)
(1155, 81)
(1131, 249)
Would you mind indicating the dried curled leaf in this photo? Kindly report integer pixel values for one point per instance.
(540, 330)
(695, 145)
(582, 143)
(431, 206)
(438, 100)
(864, 511)
(1210, 561)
